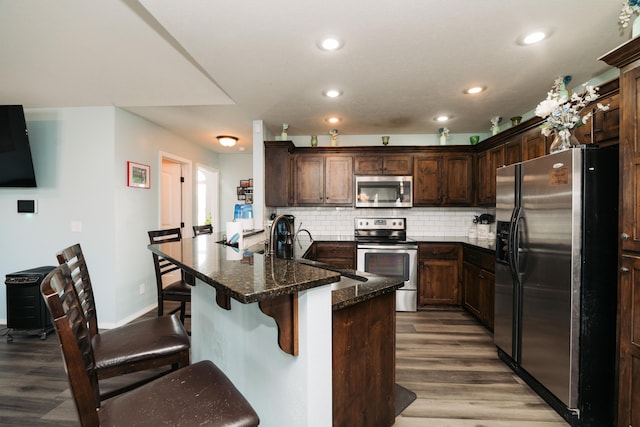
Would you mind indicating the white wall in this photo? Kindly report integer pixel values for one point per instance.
(394, 140)
(233, 168)
(80, 157)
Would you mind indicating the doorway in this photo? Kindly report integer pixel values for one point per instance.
(175, 193)
(207, 210)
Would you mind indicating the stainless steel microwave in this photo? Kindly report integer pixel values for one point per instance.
(383, 191)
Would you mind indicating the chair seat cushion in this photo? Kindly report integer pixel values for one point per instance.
(179, 287)
(199, 394)
(133, 342)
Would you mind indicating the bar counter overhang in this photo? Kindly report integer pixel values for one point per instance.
(286, 385)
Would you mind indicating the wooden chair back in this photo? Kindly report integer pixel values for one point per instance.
(202, 229)
(74, 259)
(162, 265)
(75, 341)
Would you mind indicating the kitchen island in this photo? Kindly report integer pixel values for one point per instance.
(245, 305)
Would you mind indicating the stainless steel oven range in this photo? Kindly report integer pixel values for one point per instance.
(383, 248)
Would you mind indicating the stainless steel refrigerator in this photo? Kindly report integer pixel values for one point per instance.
(556, 275)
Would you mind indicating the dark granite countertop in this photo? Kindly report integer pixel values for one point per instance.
(249, 276)
(243, 275)
(488, 245)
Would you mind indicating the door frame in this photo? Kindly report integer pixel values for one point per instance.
(187, 190)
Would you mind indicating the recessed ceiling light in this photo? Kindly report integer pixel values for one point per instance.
(535, 36)
(333, 120)
(442, 118)
(332, 93)
(330, 44)
(475, 89)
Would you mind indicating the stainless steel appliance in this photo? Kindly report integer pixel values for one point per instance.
(556, 274)
(382, 248)
(384, 191)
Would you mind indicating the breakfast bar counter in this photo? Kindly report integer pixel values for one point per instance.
(268, 323)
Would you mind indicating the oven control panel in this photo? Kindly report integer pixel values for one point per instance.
(380, 224)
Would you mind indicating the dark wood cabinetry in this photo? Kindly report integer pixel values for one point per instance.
(438, 274)
(513, 151)
(534, 144)
(383, 164)
(277, 173)
(442, 176)
(364, 355)
(323, 180)
(488, 162)
(478, 283)
(337, 254)
(604, 126)
(629, 336)
(443, 179)
(626, 58)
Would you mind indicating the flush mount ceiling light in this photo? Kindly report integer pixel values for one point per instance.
(333, 120)
(474, 90)
(330, 44)
(226, 140)
(332, 93)
(442, 118)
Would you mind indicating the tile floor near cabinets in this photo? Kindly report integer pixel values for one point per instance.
(444, 356)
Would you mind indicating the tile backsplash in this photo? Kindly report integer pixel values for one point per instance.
(437, 222)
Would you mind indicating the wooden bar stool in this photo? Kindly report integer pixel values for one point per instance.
(134, 347)
(199, 394)
(176, 290)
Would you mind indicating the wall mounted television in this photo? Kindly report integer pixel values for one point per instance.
(16, 164)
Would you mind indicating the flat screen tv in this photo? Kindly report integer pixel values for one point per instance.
(16, 164)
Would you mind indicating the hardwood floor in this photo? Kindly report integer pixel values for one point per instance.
(444, 356)
(448, 359)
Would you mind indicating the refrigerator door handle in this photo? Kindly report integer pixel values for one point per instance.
(514, 244)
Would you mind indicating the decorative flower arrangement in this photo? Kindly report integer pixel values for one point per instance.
(562, 111)
(334, 137)
(444, 133)
(495, 124)
(629, 8)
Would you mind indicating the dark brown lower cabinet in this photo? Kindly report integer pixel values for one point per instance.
(337, 254)
(438, 274)
(629, 342)
(479, 284)
(364, 348)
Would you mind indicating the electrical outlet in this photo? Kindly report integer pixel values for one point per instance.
(141, 288)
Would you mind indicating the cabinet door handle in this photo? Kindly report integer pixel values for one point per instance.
(624, 236)
(624, 270)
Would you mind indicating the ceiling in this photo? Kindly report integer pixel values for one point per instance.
(204, 68)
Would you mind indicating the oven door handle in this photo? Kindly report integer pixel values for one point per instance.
(388, 247)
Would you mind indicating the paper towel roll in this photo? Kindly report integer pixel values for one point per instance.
(233, 254)
(234, 234)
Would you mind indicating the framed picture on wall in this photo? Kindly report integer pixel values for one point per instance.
(244, 183)
(138, 175)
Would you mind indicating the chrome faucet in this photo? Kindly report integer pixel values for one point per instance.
(301, 230)
(274, 227)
